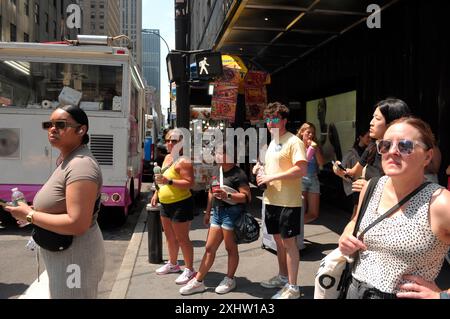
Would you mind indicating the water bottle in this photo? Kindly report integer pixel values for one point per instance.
(215, 186)
(261, 172)
(156, 173)
(16, 197)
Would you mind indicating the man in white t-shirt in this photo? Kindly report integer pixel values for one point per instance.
(285, 165)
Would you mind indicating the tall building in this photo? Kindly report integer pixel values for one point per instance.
(100, 17)
(33, 21)
(151, 59)
(131, 25)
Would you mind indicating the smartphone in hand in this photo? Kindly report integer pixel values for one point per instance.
(343, 169)
(338, 165)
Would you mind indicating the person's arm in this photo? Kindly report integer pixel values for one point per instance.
(319, 156)
(207, 216)
(296, 171)
(186, 170)
(417, 287)
(240, 198)
(354, 172)
(81, 196)
(154, 199)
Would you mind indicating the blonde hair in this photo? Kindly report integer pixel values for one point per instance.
(176, 132)
(305, 126)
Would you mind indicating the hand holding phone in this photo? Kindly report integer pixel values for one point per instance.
(338, 165)
(342, 168)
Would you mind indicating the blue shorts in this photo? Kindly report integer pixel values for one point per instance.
(311, 184)
(225, 217)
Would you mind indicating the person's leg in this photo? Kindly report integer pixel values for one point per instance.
(305, 201)
(292, 258)
(181, 231)
(172, 242)
(312, 212)
(281, 256)
(232, 250)
(215, 237)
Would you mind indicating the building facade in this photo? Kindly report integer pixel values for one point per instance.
(151, 60)
(100, 17)
(131, 25)
(33, 21)
(206, 20)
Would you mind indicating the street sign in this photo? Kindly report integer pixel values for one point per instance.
(209, 65)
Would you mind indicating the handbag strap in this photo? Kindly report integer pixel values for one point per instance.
(393, 209)
(367, 195)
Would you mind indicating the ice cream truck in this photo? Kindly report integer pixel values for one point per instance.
(35, 78)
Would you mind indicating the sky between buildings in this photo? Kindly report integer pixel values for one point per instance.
(159, 14)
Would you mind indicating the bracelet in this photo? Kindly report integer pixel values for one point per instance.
(30, 216)
(444, 295)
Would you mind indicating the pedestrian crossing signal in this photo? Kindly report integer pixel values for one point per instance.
(209, 65)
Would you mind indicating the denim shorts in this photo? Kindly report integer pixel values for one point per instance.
(225, 217)
(311, 184)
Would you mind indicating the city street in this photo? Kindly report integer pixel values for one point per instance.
(18, 265)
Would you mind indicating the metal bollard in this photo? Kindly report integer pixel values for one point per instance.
(154, 231)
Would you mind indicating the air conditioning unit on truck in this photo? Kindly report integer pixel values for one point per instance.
(32, 77)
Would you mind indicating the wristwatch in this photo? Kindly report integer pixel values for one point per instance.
(170, 182)
(444, 295)
(229, 195)
(30, 216)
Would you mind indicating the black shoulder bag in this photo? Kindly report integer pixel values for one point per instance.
(53, 241)
(347, 274)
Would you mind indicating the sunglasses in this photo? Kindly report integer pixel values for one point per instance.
(59, 124)
(172, 141)
(405, 147)
(274, 120)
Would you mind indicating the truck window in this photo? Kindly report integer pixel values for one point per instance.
(36, 85)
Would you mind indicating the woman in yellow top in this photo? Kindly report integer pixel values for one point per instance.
(177, 207)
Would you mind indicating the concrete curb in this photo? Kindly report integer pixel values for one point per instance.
(122, 282)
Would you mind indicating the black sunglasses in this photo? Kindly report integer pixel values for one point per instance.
(59, 124)
(405, 147)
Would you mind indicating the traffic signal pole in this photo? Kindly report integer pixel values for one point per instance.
(182, 93)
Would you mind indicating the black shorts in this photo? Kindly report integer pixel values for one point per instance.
(179, 212)
(283, 220)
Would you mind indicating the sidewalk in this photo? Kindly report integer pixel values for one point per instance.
(137, 278)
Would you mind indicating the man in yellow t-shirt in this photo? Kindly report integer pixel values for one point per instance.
(285, 165)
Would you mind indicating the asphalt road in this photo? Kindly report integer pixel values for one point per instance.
(18, 265)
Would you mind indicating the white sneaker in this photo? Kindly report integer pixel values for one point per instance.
(185, 276)
(287, 293)
(226, 285)
(280, 292)
(192, 287)
(275, 282)
(168, 268)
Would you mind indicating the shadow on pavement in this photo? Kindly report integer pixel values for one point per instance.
(11, 290)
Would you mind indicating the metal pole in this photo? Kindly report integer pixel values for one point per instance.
(154, 232)
(182, 101)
